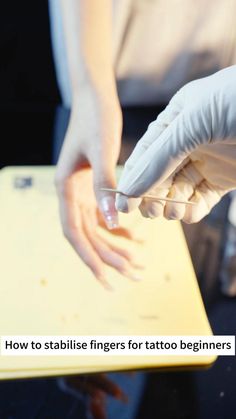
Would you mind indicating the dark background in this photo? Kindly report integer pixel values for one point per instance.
(28, 89)
(26, 73)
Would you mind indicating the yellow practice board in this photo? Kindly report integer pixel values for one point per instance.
(46, 289)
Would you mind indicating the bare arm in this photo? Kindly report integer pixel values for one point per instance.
(92, 144)
(88, 32)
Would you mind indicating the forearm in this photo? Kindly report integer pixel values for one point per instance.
(88, 33)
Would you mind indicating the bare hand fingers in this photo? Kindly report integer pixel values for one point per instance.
(73, 230)
(106, 253)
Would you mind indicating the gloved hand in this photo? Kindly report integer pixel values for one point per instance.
(188, 153)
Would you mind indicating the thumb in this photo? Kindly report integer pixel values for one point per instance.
(103, 178)
(157, 163)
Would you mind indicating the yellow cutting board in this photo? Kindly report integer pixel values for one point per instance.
(45, 288)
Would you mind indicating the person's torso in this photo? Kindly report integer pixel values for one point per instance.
(159, 45)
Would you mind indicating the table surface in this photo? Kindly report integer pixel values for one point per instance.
(33, 136)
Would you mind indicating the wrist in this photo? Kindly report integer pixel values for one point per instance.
(94, 83)
(102, 92)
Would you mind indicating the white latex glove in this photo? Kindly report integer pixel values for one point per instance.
(189, 152)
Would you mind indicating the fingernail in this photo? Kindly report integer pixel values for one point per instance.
(105, 284)
(131, 275)
(107, 207)
(137, 265)
(138, 239)
(111, 221)
(135, 278)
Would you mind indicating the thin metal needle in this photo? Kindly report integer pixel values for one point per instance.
(152, 197)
